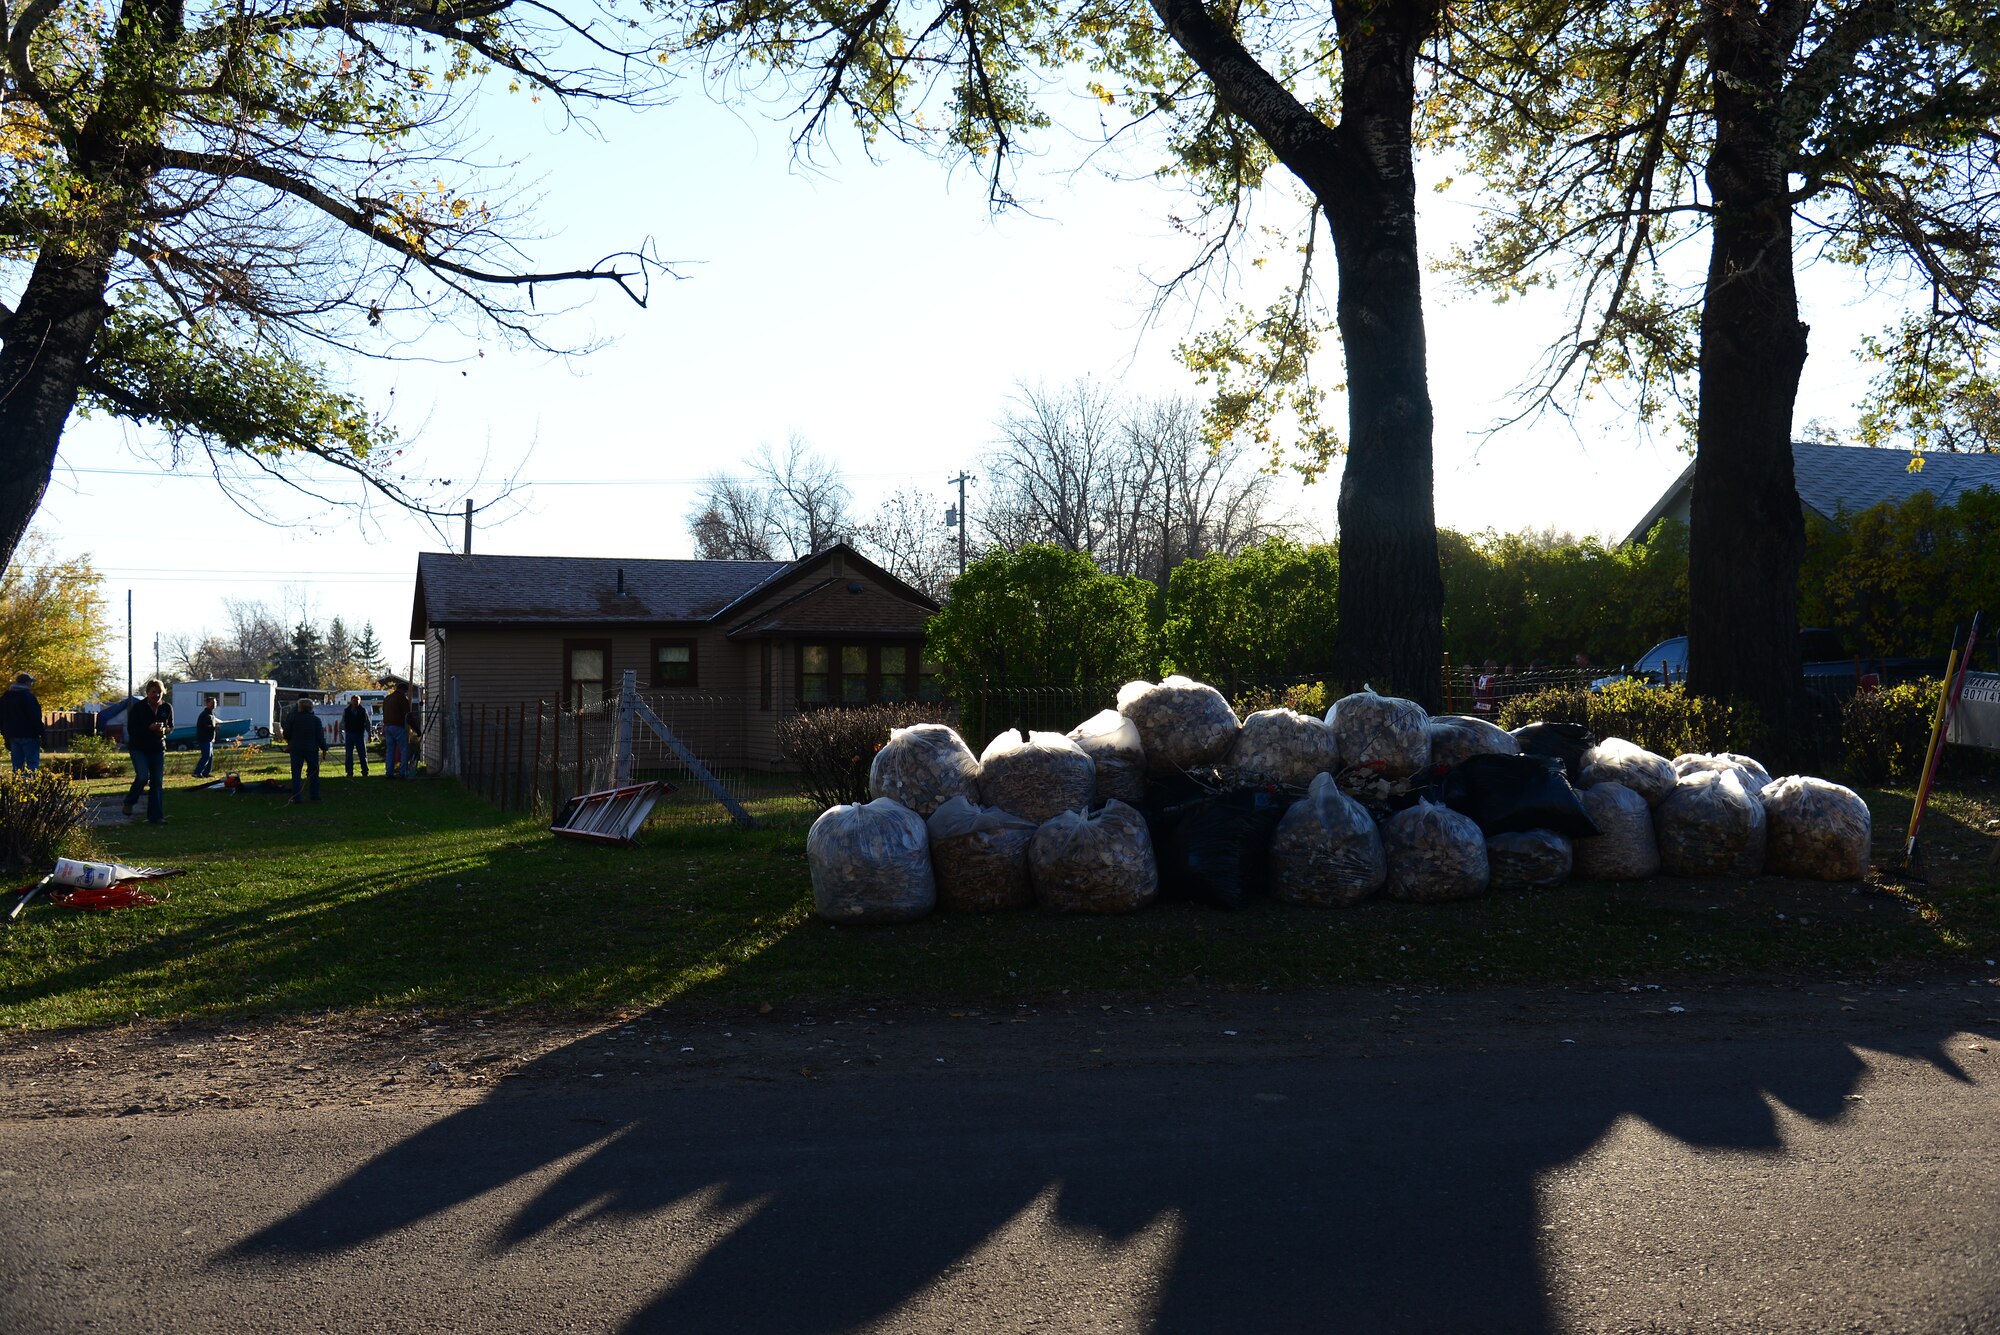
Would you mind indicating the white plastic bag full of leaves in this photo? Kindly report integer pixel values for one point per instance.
(1435, 854)
(1615, 760)
(1112, 742)
(1626, 850)
(1382, 732)
(979, 856)
(1326, 851)
(1456, 738)
(1284, 746)
(1711, 824)
(870, 863)
(923, 767)
(1817, 829)
(1755, 776)
(1182, 723)
(1100, 862)
(1035, 776)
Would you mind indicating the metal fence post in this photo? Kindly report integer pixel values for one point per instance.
(628, 692)
(454, 754)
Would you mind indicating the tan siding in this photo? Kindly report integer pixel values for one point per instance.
(502, 672)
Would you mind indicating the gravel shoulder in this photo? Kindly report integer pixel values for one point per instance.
(423, 1061)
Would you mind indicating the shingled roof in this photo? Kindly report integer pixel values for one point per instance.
(1845, 479)
(549, 590)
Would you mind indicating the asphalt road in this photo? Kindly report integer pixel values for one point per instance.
(1751, 1160)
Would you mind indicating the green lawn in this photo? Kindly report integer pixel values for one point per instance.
(421, 895)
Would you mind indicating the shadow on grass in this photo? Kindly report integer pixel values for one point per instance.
(1307, 1194)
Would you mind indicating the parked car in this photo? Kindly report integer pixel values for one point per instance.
(1828, 667)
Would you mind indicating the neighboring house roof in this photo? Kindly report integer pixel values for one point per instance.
(1845, 479)
(559, 590)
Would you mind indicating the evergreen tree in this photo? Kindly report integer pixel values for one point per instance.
(303, 658)
(368, 651)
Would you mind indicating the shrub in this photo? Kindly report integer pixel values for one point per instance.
(87, 758)
(1307, 697)
(1883, 736)
(1665, 719)
(38, 811)
(834, 747)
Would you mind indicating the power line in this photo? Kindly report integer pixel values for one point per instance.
(522, 482)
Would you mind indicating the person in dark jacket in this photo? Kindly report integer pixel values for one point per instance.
(204, 737)
(21, 723)
(147, 723)
(354, 732)
(305, 738)
(396, 729)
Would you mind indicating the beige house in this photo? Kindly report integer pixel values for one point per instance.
(726, 647)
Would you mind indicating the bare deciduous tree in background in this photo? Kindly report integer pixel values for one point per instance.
(790, 504)
(1135, 486)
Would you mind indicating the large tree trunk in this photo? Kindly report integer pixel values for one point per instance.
(1391, 601)
(45, 344)
(1746, 533)
(43, 349)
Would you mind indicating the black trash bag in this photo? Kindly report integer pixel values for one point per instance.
(1565, 741)
(1515, 794)
(1218, 848)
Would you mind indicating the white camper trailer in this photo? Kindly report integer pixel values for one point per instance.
(251, 701)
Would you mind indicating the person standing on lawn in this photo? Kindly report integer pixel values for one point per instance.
(21, 723)
(305, 738)
(204, 737)
(354, 732)
(396, 729)
(147, 724)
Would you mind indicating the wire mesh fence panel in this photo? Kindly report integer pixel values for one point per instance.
(720, 744)
(1465, 689)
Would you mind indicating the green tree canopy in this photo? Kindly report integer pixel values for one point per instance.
(1269, 611)
(1327, 91)
(203, 200)
(1044, 616)
(1867, 131)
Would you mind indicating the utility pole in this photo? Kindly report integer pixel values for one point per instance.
(128, 644)
(958, 515)
(468, 526)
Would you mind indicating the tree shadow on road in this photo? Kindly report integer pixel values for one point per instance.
(1390, 1191)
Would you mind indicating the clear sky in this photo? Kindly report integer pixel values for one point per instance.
(878, 310)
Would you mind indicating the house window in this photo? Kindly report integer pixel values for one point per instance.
(929, 688)
(763, 674)
(859, 674)
(232, 698)
(674, 664)
(854, 674)
(586, 668)
(894, 674)
(815, 674)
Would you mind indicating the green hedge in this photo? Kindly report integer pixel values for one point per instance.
(1665, 719)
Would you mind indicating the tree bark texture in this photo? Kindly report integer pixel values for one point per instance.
(1362, 172)
(1746, 533)
(45, 344)
(1391, 596)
